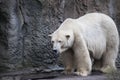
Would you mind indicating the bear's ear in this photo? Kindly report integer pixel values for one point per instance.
(67, 36)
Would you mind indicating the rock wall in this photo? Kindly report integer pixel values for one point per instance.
(11, 45)
(25, 25)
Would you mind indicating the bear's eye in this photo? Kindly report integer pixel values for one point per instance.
(60, 41)
(52, 41)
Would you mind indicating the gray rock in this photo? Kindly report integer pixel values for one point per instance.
(26, 24)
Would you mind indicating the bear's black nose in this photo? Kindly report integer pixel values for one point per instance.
(55, 51)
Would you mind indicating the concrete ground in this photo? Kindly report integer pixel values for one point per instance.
(31, 74)
(59, 76)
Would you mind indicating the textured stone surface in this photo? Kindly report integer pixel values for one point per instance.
(10, 34)
(25, 25)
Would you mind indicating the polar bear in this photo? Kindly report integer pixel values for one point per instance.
(89, 42)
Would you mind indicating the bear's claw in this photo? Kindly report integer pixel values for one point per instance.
(85, 73)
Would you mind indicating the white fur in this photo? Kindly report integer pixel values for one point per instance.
(93, 32)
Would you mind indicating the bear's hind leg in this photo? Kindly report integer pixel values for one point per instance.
(68, 61)
(109, 61)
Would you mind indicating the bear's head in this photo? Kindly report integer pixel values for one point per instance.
(62, 40)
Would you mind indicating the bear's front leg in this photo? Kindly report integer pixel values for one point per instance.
(67, 60)
(83, 63)
(82, 57)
